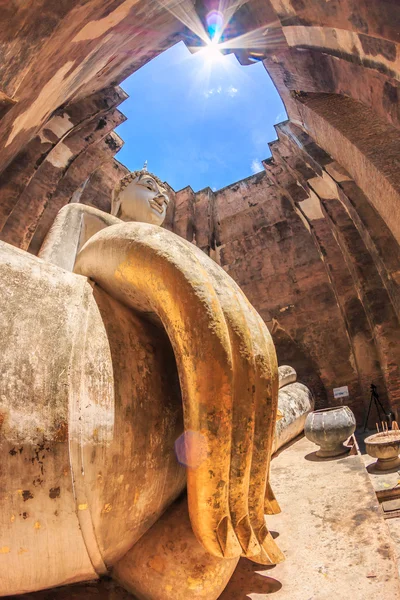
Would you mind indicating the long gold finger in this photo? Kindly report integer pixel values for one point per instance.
(265, 416)
(254, 359)
(270, 500)
(271, 506)
(235, 308)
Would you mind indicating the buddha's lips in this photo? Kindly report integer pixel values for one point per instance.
(156, 205)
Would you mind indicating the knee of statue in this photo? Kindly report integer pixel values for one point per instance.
(169, 563)
(148, 361)
(295, 402)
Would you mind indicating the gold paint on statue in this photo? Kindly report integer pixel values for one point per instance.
(227, 369)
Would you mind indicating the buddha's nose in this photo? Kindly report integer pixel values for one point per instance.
(161, 200)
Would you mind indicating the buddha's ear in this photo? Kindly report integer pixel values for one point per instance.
(115, 205)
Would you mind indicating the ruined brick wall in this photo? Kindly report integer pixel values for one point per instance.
(259, 239)
(359, 250)
(312, 253)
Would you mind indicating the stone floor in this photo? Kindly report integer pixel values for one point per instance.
(394, 528)
(387, 488)
(331, 529)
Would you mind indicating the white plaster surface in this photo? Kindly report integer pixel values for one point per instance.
(311, 207)
(60, 156)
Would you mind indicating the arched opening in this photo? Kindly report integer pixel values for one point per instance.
(199, 121)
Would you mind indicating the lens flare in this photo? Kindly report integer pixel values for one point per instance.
(220, 33)
(215, 24)
(191, 449)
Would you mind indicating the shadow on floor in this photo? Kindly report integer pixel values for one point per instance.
(314, 458)
(105, 589)
(374, 471)
(250, 578)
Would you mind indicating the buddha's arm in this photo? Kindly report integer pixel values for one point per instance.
(228, 375)
(72, 227)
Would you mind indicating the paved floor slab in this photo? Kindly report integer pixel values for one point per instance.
(331, 529)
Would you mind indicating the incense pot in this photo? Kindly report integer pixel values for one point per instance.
(329, 428)
(385, 446)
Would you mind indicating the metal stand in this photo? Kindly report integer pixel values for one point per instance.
(378, 405)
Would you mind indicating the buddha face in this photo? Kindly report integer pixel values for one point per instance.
(143, 200)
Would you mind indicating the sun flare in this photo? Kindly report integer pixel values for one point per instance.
(211, 52)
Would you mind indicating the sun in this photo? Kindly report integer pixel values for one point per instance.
(211, 52)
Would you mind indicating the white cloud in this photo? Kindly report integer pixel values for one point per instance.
(232, 91)
(280, 117)
(256, 165)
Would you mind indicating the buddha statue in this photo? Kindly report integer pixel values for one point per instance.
(140, 196)
(138, 406)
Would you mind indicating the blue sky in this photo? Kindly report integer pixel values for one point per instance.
(197, 121)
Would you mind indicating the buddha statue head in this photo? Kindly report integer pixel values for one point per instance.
(140, 196)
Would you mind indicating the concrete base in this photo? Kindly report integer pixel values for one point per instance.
(331, 529)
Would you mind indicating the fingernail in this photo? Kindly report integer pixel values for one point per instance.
(269, 554)
(262, 533)
(271, 505)
(247, 537)
(230, 546)
(271, 550)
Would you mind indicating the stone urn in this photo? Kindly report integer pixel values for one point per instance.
(329, 428)
(384, 446)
